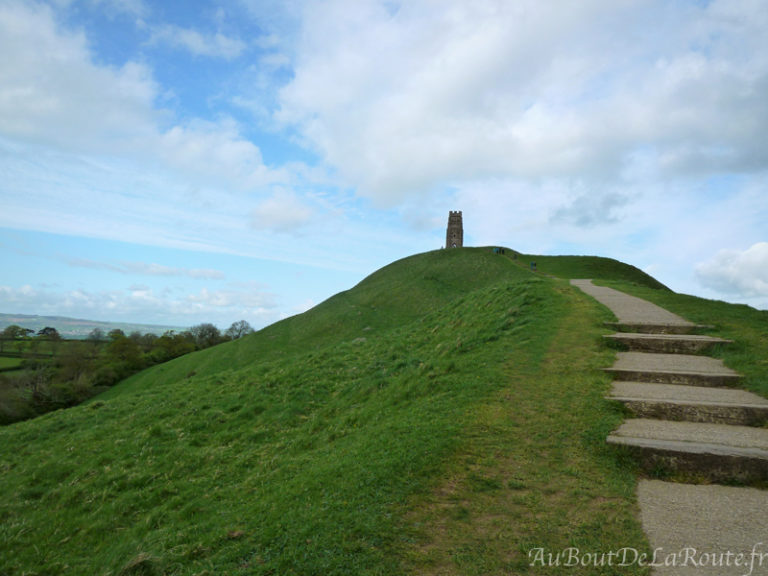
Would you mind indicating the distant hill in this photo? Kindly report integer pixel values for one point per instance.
(75, 328)
(444, 416)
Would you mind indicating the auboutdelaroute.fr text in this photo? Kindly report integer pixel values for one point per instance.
(747, 561)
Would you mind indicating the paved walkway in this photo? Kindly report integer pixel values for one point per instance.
(629, 309)
(707, 530)
(693, 529)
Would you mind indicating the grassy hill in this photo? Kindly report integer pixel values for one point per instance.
(594, 267)
(444, 416)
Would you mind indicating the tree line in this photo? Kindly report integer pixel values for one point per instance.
(55, 372)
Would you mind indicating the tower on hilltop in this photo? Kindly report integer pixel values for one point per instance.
(454, 236)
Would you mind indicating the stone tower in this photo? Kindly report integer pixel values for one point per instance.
(454, 236)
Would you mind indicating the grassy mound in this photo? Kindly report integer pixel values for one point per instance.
(444, 416)
(594, 267)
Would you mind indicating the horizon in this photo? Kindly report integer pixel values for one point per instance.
(80, 327)
(174, 163)
(137, 324)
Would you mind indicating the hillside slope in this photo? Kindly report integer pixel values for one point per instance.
(317, 445)
(594, 267)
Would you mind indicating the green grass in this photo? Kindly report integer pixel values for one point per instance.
(396, 295)
(10, 363)
(14, 401)
(533, 469)
(594, 267)
(444, 416)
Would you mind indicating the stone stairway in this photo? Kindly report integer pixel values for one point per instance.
(690, 422)
(688, 417)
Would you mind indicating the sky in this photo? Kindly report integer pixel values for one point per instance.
(178, 162)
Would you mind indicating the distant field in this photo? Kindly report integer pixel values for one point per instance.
(9, 363)
(77, 328)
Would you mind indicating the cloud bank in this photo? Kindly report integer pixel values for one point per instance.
(743, 272)
(403, 97)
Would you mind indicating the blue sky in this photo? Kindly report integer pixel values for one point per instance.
(185, 162)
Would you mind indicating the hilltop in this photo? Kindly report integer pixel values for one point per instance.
(446, 415)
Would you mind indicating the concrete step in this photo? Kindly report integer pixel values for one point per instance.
(692, 403)
(665, 343)
(682, 327)
(683, 369)
(707, 452)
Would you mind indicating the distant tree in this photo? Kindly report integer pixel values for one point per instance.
(75, 361)
(96, 335)
(33, 348)
(115, 334)
(125, 352)
(205, 335)
(238, 330)
(52, 336)
(95, 338)
(12, 333)
(38, 380)
(16, 332)
(147, 341)
(172, 345)
(49, 333)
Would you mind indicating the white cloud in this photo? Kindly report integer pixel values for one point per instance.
(148, 269)
(54, 94)
(216, 45)
(283, 212)
(405, 99)
(217, 151)
(134, 8)
(152, 269)
(219, 306)
(588, 210)
(51, 92)
(275, 61)
(739, 272)
(246, 297)
(86, 148)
